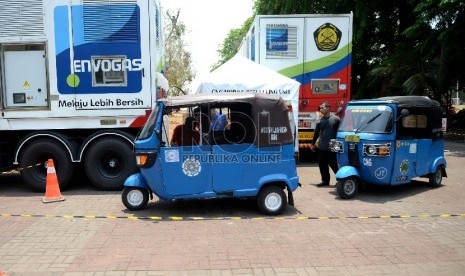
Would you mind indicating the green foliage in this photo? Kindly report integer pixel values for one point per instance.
(399, 47)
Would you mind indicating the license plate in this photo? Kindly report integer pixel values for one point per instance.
(305, 135)
(352, 138)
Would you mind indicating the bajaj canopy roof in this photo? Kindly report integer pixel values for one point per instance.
(412, 101)
(269, 112)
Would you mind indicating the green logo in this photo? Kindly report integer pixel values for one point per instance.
(404, 166)
(73, 80)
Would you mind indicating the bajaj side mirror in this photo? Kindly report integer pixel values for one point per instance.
(403, 113)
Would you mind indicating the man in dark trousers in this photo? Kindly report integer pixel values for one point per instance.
(325, 130)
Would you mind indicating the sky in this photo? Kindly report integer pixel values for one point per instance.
(208, 22)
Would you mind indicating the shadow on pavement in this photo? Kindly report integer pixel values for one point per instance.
(383, 194)
(211, 208)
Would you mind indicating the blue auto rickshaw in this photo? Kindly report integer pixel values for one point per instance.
(389, 141)
(252, 157)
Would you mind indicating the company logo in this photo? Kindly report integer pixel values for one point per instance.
(277, 40)
(191, 167)
(327, 37)
(381, 173)
(107, 65)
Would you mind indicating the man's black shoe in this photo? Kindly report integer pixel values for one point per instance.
(322, 184)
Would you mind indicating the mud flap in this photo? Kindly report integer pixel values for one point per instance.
(290, 197)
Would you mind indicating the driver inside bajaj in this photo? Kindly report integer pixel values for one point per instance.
(186, 134)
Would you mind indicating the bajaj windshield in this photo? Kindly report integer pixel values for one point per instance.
(371, 119)
(149, 125)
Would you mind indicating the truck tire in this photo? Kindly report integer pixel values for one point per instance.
(108, 162)
(36, 154)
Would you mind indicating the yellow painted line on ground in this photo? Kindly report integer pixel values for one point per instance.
(193, 218)
(424, 216)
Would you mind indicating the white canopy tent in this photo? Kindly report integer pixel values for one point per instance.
(240, 74)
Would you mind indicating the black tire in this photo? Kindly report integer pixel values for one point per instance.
(347, 188)
(108, 162)
(272, 200)
(435, 179)
(38, 152)
(135, 198)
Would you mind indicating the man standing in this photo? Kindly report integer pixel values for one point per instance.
(325, 130)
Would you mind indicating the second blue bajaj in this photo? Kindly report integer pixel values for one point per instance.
(389, 141)
(251, 157)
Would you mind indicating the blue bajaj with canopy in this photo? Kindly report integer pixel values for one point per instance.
(252, 156)
(389, 141)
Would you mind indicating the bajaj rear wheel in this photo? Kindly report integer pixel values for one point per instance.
(435, 179)
(347, 188)
(272, 200)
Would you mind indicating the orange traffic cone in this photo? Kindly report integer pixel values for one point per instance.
(52, 189)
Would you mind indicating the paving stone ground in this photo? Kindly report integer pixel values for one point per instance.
(407, 230)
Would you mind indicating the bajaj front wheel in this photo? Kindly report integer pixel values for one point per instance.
(272, 200)
(135, 198)
(347, 188)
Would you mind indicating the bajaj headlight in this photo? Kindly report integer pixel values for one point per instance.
(336, 146)
(377, 149)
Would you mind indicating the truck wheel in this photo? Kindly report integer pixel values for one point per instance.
(135, 198)
(347, 188)
(38, 152)
(435, 179)
(272, 200)
(108, 162)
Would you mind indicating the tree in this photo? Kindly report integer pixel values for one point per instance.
(400, 47)
(232, 43)
(178, 69)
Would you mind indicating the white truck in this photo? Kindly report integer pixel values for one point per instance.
(78, 79)
(315, 50)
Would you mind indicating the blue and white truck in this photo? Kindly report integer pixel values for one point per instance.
(78, 79)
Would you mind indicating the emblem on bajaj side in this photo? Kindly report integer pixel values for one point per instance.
(381, 173)
(191, 167)
(404, 166)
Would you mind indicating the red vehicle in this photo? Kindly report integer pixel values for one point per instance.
(315, 50)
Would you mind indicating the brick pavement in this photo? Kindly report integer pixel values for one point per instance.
(321, 235)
